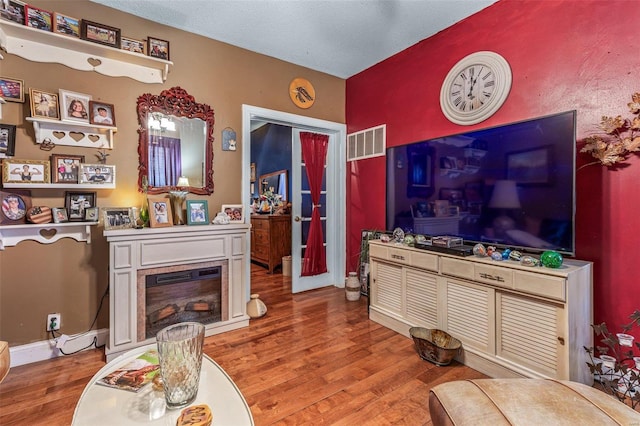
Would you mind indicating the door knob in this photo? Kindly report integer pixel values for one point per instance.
(297, 218)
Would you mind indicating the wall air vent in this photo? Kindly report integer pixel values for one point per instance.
(367, 143)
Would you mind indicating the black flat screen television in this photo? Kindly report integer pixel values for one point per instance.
(509, 186)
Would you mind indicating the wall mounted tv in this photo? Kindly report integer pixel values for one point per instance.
(509, 186)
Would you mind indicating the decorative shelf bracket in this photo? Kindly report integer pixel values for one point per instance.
(47, 233)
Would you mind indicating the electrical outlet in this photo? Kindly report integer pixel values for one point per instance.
(53, 322)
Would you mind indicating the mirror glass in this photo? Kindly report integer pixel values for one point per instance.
(278, 180)
(176, 142)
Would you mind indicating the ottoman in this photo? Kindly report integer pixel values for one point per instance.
(528, 402)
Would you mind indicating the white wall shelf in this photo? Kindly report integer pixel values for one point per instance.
(20, 185)
(46, 233)
(42, 46)
(73, 133)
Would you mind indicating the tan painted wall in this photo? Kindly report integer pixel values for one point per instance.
(71, 277)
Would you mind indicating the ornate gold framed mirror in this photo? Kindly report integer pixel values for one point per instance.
(175, 144)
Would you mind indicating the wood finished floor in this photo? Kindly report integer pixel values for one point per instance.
(315, 358)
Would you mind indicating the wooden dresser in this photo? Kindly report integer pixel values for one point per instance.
(270, 239)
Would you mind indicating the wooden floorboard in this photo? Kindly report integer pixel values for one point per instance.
(315, 358)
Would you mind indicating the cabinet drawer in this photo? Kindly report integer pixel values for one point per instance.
(541, 285)
(260, 224)
(457, 268)
(424, 261)
(501, 277)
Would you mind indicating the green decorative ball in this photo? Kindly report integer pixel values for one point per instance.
(551, 259)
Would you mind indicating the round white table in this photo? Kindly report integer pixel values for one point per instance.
(102, 405)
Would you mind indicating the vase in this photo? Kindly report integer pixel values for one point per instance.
(352, 287)
(143, 215)
(256, 307)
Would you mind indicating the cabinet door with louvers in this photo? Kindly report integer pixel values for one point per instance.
(422, 298)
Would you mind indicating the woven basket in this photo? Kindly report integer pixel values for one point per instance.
(435, 346)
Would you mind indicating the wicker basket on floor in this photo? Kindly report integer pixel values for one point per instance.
(435, 346)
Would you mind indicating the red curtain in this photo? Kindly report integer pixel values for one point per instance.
(314, 153)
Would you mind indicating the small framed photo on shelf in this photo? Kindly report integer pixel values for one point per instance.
(158, 48)
(7, 140)
(117, 218)
(65, 168)
(132, 45)
(74, 106)
(77, 202)
(12, 10)
(197, 212)
(44, 104)
(100, 33)
(59, 215)
(97, 173)
(66, 25)
(38, 18)
(159, 212)
(12, 89)
(15, 205)
(235, 212)
(101, 113)
(25, 171)
(91, 214)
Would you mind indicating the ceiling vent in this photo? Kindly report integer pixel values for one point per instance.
(367, 143)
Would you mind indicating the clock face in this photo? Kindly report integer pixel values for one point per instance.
(475, 88)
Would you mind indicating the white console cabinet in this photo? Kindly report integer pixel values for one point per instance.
(512, 320)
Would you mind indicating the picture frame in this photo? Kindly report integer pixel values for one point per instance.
(197, 212)
(65, 168)
(91, 214)
(59, 215)
(44, 104)
(74, 106)
(530, 167)
(25, 171)
(7, 140)
(77, 202)
(160, 214)
(252, 176)
(66, 25)
(12, 89)
(12, 10)
(158, 48)
(235, 212)
(97, 173)
(102, 113)
(14, 206)
(100, 33)
(117, 218)
(133, 45)
(38, 18)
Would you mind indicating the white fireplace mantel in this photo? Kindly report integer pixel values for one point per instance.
(133, 250)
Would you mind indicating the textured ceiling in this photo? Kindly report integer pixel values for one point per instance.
(338, 37)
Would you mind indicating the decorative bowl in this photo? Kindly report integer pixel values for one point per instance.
(435, 346)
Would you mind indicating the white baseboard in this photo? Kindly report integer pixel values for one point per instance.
(46, 349)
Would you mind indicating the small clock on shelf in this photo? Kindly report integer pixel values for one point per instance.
(475, 88)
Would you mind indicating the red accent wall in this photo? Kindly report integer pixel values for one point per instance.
(564, 55)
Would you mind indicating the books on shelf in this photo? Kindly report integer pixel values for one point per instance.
(135, 374)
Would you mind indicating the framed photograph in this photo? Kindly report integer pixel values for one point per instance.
(66, 25)
(65, 167)
(117, 218)
(91, 214)
(97, 173)
(158, 48)
(99, 33)
(77, 202)
(235, 212)
(530, 167)
(44, 104)
(15, 205)
(38, 18)
(197, 212)
(159, 212)
(252, 177)
(25, 171)
(12, 10)
(74, 106)
(101, 113)
(132, 45)
(59, 215)
(7, 139)
(12, 89)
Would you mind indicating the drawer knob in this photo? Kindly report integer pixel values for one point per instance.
(561, 340)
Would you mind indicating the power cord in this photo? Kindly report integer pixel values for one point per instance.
(95, 339)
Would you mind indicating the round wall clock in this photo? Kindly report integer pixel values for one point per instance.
(302, 93)
(475, 88)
